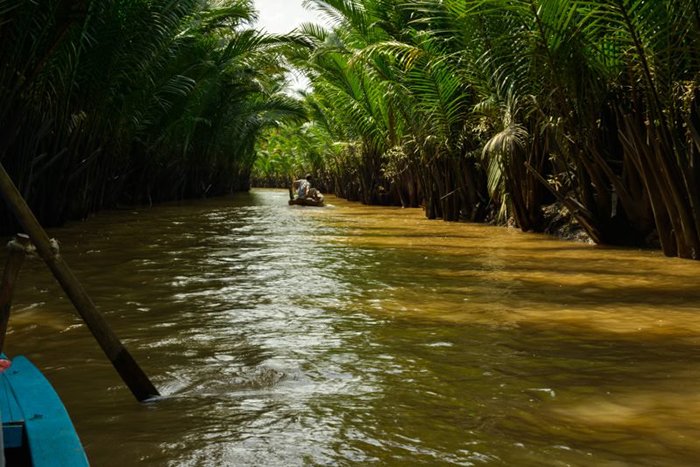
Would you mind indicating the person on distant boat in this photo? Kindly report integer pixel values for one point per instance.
(302, 187)
(315, 195)
(306, 192)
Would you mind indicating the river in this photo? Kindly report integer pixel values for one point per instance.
(357, 335)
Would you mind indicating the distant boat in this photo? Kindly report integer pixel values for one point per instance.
(305, 202)
(37, 430)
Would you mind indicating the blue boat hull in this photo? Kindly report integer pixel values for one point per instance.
(36, 425)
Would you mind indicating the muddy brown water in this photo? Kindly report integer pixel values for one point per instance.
(355, 335)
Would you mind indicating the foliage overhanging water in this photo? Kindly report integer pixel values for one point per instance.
(367, 335)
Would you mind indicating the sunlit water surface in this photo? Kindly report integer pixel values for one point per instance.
(355, 335)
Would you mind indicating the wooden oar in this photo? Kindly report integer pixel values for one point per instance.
(123, 362)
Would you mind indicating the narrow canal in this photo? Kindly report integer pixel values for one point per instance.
(355, 335)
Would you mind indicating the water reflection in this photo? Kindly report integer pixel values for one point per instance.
(365, 335)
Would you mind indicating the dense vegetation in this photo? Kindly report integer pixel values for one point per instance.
(485, 109)
(475, 109)
(132, 101)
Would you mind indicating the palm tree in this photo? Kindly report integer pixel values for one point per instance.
(133, 102)
(501, 106)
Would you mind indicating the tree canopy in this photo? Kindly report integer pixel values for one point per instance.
(494, 109)
(133, 101)
(475, 109)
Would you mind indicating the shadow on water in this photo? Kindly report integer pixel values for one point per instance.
(365, 335)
